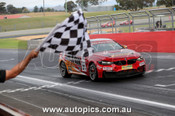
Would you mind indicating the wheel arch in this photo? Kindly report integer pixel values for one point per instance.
(65, 64)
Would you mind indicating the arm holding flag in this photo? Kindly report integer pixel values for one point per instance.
(16, 70)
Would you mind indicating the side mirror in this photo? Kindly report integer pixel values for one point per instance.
(125, 46)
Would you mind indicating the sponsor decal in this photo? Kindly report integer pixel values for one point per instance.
(83, 65)
(108, 68)
(127, 67)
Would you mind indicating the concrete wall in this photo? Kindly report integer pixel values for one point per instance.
(163, 41)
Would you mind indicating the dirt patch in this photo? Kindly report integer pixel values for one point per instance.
(31, 37)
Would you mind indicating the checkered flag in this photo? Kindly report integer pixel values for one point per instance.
(70, 36)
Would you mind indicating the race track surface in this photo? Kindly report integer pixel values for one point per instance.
(41, 85)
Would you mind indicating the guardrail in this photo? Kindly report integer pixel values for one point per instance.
(139, 21)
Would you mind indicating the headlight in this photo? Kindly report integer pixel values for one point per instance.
(140, 58)
(105, 62)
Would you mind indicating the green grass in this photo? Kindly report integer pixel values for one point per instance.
(42, 21)
(11, 43)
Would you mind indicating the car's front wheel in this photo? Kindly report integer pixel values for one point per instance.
(63, 70)
(93, 74)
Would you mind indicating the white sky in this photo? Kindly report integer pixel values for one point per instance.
(48, 3)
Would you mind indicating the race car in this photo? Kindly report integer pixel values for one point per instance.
(109, 60)
(126, 22)
(108, 24)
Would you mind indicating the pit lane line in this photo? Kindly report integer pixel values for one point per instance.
(100, 93)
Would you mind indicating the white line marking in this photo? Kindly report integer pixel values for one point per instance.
(7, 60)
(10, 111)
(159, 70)
(34, 80)
(149, 71)
(160, 85)
(170, 69)
(37, 88)
(106, 94)
(78, 82)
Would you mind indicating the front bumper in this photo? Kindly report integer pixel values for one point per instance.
(124, 73)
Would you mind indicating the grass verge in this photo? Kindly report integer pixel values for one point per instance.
(12, 43)
(39, 21)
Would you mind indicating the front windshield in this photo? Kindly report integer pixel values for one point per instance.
(109, 45)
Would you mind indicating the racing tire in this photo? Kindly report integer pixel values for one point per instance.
(93, 74)
(63, 70)
(142, 74)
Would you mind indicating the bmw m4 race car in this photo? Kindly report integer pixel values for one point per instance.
(109, 60)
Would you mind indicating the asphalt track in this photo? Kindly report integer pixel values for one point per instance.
(41, 85)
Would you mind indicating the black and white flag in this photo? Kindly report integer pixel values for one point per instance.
(70, 36)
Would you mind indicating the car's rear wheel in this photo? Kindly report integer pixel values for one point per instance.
(93, 74)
(63, 70)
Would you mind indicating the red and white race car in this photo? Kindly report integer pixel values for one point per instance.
(126, 22)
(109, 60)
(108, 24)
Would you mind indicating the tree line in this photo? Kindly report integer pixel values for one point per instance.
(135, 5)
(132, 5)
(41, 9)
(10, 9)
(82, 3)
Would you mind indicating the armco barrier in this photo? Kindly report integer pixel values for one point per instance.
(162, 41)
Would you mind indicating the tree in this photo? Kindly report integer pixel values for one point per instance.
(18, 10)
(2, 7)
(25, 10)
(52, 10)
(48, 10)
(84, 3)
(167, 3)
(41, 9)
(11, 9)
(70, 6)
(35, 9)
(134, 4)
(117, 7)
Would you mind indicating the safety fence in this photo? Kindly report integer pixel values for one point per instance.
(138, 21)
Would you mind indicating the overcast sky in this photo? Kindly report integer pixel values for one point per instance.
(48, 3)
